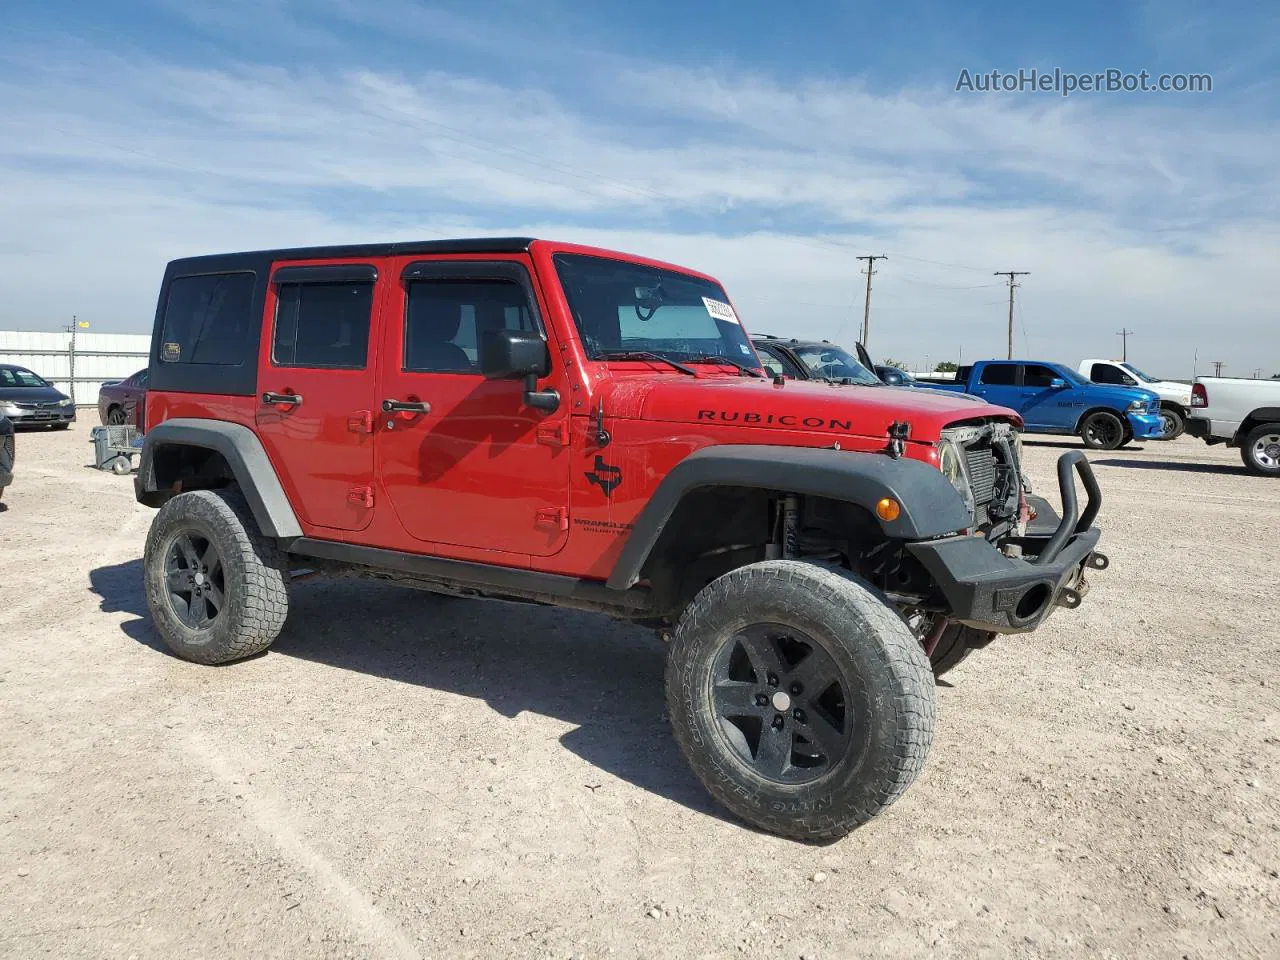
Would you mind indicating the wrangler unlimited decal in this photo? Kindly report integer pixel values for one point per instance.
(781, 419)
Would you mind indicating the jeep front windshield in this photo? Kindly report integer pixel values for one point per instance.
(625, 308)
(827, 362)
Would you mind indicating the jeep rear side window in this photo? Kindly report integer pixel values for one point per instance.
(1000, 374)
(444, 320)
(206, 319)
(322, 324)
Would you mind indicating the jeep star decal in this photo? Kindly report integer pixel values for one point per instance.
(605, 476)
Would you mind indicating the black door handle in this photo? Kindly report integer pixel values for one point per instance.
(271, 399)
(405, 406)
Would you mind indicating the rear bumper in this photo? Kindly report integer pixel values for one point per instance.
(1205, 429)
(985, 589)
(1146, 426)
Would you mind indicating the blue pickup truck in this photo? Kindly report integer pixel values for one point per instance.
(1053, 398)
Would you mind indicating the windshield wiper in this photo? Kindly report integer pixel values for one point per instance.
(716, 358)
(645, 355)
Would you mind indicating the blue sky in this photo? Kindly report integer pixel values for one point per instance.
(768, 145)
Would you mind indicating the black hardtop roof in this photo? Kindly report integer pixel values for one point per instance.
(347, 251)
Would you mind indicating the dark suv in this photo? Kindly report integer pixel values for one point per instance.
(557, 424)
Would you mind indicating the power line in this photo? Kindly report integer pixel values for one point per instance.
(1013, 285)
(1124, 336)
(866, 308)
(940, 263)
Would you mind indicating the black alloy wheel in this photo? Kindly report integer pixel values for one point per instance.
(1103, 431)
(780, 701)
(194, 577)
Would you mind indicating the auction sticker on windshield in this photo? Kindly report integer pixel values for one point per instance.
(720, 311)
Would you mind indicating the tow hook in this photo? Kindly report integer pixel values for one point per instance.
(1099, 561)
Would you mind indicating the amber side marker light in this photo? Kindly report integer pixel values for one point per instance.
(888, 509)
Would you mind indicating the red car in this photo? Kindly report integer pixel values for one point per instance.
(119, 402)
(555, 424)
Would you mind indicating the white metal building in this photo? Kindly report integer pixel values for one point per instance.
(97, 358)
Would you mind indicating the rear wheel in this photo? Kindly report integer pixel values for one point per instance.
(800, 698)
(1102, 431)
(215, 586)
(1261, 450)
(1174, 423)
(115, 416)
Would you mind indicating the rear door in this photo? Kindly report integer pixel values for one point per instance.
(316, 389)
(998, 383)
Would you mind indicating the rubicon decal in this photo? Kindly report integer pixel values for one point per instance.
(779, 419)
(605, 476)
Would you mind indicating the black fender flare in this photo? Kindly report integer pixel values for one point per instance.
(930, 505)
(244, 454)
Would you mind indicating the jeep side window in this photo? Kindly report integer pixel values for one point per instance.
(206, 319)
(1000, 374)
(445, 319)
(322, 324)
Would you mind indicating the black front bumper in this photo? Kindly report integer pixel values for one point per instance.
(984, 588)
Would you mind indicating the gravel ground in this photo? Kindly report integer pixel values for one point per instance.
(409, 776)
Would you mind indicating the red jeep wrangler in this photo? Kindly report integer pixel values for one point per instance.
(542, 422)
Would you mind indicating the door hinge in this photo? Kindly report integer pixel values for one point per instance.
(557, 516)
(554, 434)
(362, 495)
(360, 422)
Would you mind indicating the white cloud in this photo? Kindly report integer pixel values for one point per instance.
(1151, 217)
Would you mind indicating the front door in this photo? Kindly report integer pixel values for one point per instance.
(316, 390)
(1047, 406)
(463, 460)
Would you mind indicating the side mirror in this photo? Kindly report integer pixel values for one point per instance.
(516, 354)
(1057, 383)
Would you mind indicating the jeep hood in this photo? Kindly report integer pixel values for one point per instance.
(807, 405)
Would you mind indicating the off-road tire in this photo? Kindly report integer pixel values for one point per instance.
(1176, 423)
(879, 661)
(254, 575)
(1103, 430)
(1266, 466)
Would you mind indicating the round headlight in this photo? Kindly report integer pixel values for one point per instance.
(949, 464)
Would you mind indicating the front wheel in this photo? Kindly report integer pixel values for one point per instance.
(1261, 450)
(1102, 431)
(215, 586)
(800, 698)
(1174, 423)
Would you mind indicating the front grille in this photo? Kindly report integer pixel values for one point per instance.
(981, 463)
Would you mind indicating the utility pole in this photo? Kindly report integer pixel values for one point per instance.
(1124, 336)
(866, 309)
(1013, 285)
(1217, 367)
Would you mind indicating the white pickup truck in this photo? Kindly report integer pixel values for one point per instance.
(1175, 397)
(1240, 413)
